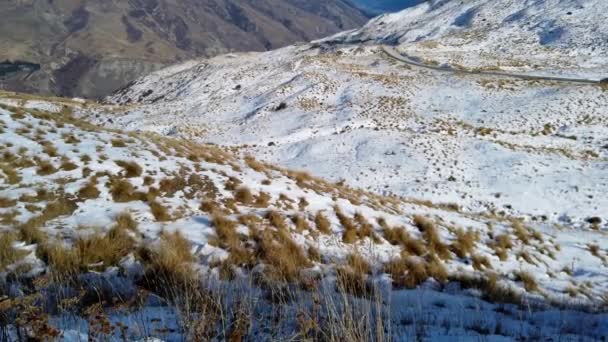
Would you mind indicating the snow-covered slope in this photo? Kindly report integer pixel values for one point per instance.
(343, 109)
(569, 35)
(65, 180)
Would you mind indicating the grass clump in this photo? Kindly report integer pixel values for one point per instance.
(8, 253)
(160, 212)
(7, 202)
(45, 168)
(122, 191)
(464, 245)
(89, 190)
(528, 280)
(130, 168)
(243, 195)
(322, 223)
(431, 237)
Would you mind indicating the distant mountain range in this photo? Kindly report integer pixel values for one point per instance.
(91, 48)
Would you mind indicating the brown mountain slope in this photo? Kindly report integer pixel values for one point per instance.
(90, 48)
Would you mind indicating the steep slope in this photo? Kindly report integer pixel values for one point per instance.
(91, 48)
(79, 198)
(553, 35)
(343, 108)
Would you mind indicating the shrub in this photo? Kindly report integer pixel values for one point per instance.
(130, 168)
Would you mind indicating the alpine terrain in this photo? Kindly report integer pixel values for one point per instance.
(91, 48)
(437, 174)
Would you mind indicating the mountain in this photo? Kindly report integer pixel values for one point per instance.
(131, 229)
(383, 6)
(460, 121)
(91, 48)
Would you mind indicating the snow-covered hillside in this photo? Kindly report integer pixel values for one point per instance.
(342, 108)
(567, 36)
(68, 184)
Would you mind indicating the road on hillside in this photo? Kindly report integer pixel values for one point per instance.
(391, 52)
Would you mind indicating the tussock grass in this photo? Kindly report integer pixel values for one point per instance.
(481, 262)
(464, 245)
(283, 257)
(8, 254)
(406, 272)
(170, 186)
(7, 202)
(89, 190)
(528, 280)
(243, 195)
(10, 173)
(431, 237)
(67, 165)
(130, 168)
(119, 143)
(300, 223)
(521, 232)
(322, 223)
(225, 229)
(125, 221)
(160, 212)
(97, 252)
(276, 220)
(122, 191)
(45, 168)
(30, 232)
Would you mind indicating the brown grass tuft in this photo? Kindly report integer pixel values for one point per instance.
(243, 195)
(160, 212)
(322, 223)
(431, 236)
(130, 168)
(464, 245)
(528, 280)
(89, 190)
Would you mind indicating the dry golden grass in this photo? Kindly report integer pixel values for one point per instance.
(89, 190)
(300, 223)
(45, 168)
(124, 221)
(30, 232)
(481, 262)
(118, 143)
(283, 257)
(122, 191)
(98, 252)
(10, 174)
(464, 245)
(8, 254)
(356, 262)
(255, 165)
(67, 165)
(528, 280)
(521, 232)
(170, 186)
(130, 168)
(350, 234)
(160, 212)
(406, 272)
(322, 223)
(243, 195)
(7, 203)
(262, 200)
(225, 229)
(276, 219)
(431, 237)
